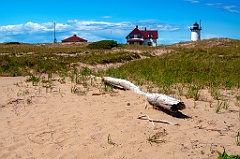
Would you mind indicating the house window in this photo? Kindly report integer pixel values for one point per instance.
(131, 36)
(150, 35)
(149, 43)
(139, 36)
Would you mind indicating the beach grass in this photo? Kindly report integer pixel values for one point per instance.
(211, 63)
(203, 67)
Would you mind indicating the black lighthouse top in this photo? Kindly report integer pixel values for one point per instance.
(195, 27)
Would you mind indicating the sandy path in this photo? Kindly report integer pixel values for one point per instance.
(60, 124)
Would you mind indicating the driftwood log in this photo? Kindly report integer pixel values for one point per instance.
(157, 100)
(156, 120)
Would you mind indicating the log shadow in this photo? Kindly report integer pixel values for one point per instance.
(175, 114)
(114, 86)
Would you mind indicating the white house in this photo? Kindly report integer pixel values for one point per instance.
(142, 37)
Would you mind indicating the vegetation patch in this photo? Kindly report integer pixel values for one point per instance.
(12, 43)
(208, 63)
(215, 67)
(103, 44)
(224, 155)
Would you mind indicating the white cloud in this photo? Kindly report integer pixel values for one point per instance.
(106, 17)
(155, 25)
(13, 29)
(167, 27)
(32, 32)
(193, 1)
(29, 27)
(214, 4)
(232, 9)
(209, 36)
(62, 27)
(229, 8)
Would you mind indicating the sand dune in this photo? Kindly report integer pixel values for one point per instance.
(37, 122)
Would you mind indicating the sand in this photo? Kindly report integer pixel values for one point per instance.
(37, 122)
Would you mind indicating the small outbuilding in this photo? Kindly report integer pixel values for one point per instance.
(74, 38)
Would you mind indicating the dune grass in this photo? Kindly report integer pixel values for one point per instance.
(41, 48)
(207, 63)
(19, 60)
(218, 67)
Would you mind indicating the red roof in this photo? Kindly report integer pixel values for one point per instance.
(74, 38)
(145, 33)
(136, 31)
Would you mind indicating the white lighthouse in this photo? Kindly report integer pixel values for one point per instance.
(195, 31)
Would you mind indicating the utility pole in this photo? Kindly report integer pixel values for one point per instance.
(55, 40)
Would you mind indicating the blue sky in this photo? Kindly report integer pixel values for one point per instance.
(32, 21)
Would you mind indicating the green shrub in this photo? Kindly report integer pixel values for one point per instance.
(193, 92)
(103, 44)
(34, 79)
(12, 43)
(224, 155)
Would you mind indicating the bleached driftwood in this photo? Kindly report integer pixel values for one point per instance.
(157, 100)
(156, 120)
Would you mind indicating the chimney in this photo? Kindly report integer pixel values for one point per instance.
(137, 26)
(145, 28)
(74, 35)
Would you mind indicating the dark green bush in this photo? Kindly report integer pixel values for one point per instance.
(224, 155)
(103, 44)
(13, 43)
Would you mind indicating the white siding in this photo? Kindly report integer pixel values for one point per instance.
(152, 41)
(195, 35)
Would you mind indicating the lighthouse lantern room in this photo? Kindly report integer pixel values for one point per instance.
(195, 31)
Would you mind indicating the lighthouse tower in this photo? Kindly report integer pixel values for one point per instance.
(195, 31)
